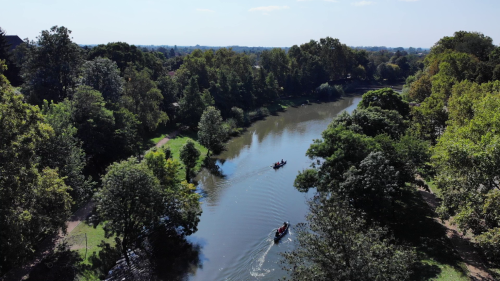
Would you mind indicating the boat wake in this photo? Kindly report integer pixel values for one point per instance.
(257, 270)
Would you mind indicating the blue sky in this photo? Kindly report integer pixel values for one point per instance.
(283, 23)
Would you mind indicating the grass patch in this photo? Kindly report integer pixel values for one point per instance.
(446, 272)
(176, 144)
(94, 237)
(433, 187)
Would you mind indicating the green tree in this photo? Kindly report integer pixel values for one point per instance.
(143, 98)
(341, 148)
(211, 133)
(189, 155)
(337, 244)
(52, 68)
(474, 43)
(191, 105)
(34, 202)
(467, 158)
(373, 121)
(103, 75)
(95, 126)
(386, 99)
(180, 199)
(63, 151)
(169, 90)
(421, 89)
(130, 201)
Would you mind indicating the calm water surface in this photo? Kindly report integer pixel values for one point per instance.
(243, 208)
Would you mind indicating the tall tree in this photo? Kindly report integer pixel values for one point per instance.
(103, 75)
(211, 133)
(143, 98)
(189, 155)
(63, 150)
(34, 202)
(52, 67)
(191, 105)
(130, 201)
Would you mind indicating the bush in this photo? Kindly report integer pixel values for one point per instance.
(327, 92)
(238, 115)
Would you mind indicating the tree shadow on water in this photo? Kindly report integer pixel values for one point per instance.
(172, 256)
(210, 164)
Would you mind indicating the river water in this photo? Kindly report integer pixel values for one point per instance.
(243, 207)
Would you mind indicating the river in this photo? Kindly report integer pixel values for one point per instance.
(243, 207)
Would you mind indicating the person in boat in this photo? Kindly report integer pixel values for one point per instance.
(282, 228)
(282, 161)
(277, 233)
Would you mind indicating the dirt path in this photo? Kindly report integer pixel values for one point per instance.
(167, 138)
(48, 245)
(477, 270)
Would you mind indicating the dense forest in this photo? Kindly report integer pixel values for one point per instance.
(75, 122)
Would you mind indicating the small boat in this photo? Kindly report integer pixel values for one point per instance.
(278, 166)
(279, 236)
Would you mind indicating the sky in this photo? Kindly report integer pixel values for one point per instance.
(267, 23)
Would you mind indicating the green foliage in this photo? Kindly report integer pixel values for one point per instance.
(239, 116)
(466, 158)
(429, 119)
(374, 121)
(143, 98)
(474, 43)
(326, 92)
(35, 201)
(373, 187)
(189, 155)
(126, 55)
(386, 99)
(340, 148)
(95, 125)
(103, 75)
(211, 133)
(338, 244)
(191, 105)
(421, 88)
(63, 151)
(52, 67)
(130, 200)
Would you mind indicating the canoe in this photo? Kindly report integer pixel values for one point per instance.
(277, 238)
(279, 166)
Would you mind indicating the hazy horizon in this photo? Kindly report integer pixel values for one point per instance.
(279, 23)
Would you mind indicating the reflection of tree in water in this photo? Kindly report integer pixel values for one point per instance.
(173, 257)
(293, 120)
(211, 177)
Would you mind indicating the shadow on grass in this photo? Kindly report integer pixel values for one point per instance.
(417, 226)
(61, 265)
